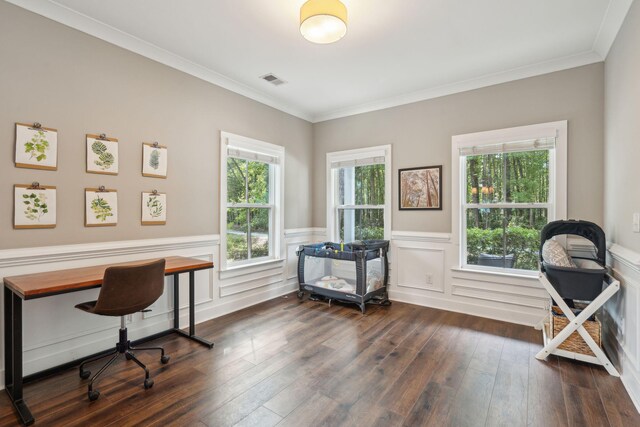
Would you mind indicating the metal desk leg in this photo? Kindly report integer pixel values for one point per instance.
(176, 301)
(192, 310)
(13, 354)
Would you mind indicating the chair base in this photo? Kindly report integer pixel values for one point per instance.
(123, 347)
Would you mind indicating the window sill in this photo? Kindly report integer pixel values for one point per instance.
(459, 272)
(254, 267)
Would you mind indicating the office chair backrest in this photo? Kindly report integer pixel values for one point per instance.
(129, 289)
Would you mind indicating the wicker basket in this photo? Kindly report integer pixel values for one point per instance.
(575, 343)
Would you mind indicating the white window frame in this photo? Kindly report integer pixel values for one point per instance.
(557, 203)
(276, 195)
(333, 207)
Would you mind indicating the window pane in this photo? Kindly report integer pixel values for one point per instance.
(504, 238)
(236, 180)
(484, 178)
(259, 232)
(258, 182)
(361, 185)
(527, 176)
(512, 177)
(369, 185)
(360, 224)
(237, 229)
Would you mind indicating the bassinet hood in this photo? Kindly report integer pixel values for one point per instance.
(585, 229)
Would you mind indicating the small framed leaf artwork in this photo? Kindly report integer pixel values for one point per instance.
(36, 147)
(154, 208)
(101, 207)
(102, 154)
(34, 206)
(154, 160)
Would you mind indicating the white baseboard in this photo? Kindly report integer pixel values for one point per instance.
(74, 335)
(505, 315)
(622, 319)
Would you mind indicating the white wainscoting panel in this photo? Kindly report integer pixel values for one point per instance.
(424, 271)
(55, 332)
(419, 267)
(622, 320)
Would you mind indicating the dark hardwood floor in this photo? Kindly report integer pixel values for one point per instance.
(291, 363)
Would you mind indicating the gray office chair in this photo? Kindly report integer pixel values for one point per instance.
(125, 290)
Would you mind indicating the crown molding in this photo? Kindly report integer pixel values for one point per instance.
(611, 24)
(78, 21)
(559, 64)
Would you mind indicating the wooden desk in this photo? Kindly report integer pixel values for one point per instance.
(40, 285)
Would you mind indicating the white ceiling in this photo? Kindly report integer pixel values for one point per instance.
(394, 52)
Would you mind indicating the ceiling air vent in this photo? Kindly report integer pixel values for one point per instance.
(274, 80)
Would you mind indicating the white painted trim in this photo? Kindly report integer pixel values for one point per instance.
(303, 232)
(518, 315)
(559, 64)
(626, 256)
(421, 236)
(621, 324)
(95, 28)
(358, 153)
(47, 254)
(610, 26)
(71, 18)
(557, 177)
(276, 237)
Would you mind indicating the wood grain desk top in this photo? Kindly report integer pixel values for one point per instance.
(37, 285)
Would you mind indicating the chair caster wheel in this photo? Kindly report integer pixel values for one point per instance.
(300, 294)
(165, 359)
(148, 383)
(94, 395)
(127, 356)
(85, 374)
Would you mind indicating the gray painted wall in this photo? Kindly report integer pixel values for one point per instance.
(622, 133)
(78, 84)
(421, 136)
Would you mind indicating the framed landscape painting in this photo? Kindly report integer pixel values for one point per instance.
(36, 147)
(420, 188)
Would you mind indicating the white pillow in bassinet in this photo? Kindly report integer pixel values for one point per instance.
(555, 254)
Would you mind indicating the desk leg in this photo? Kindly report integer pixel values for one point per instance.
(13, 354)
(192, 310)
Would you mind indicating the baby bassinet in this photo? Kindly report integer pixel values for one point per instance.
(576, 283)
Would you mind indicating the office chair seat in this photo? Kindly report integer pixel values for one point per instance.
(125, 290)
(88, 306)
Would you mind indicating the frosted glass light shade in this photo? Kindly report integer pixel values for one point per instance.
(323, 21)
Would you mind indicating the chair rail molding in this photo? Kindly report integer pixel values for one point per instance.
(621, 319)
(75, 335)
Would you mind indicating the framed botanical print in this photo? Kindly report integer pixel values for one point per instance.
(34, 206)
(420, 188)
(101, 207)
(154, 208)
(102, 154)
(36, 147)
(154, 160)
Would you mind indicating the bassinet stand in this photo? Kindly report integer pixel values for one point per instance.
(575, 324)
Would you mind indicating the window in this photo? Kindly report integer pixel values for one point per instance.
(251, 200)
(510, 185)
(359, 193)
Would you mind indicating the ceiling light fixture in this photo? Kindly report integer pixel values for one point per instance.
(323, 21)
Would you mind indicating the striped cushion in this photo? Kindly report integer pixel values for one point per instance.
(554, 254)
